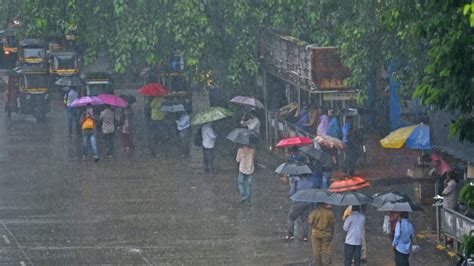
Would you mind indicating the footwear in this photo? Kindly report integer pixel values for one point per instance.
(242, 201)
(96, 159)
(304, 239)
(364, 260)
(287, 238)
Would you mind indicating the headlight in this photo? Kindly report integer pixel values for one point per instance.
(28, 96)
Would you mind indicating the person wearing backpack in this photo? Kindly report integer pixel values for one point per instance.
(402, 240)
(88, 121)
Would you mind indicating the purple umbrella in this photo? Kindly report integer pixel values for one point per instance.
(83, 101)
(249, 101)
(112, 100)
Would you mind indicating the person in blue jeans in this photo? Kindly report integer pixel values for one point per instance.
(71, 112)
(88, 124)
(246, 159)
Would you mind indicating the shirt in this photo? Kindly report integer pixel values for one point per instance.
(183, 122)
(322, 222)
(449, 194)
(245, 157)
(354, 226)
(107, 117)
(155, 106)
(208, 136)
(70, 97)
(252, 124)
(403, 236)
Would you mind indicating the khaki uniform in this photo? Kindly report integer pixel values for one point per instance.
(322, 222)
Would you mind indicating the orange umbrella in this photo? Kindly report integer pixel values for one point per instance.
(348, 184)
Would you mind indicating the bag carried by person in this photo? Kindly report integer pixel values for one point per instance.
(88, 122)
(198, 137)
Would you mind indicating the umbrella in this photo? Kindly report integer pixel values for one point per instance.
(210, 114)
(83, 101)
(249, 101)
(294, 141)
(348, 184)
(293, 169)
(400, 206)
(112, 100)
(349, 198)
(130, 99)
(153, 89)
(173, 108)
(244, 136)
(68, 82)
(316, 154)
(329, 142)
(384, 197)
(413, 137)
(311, 195)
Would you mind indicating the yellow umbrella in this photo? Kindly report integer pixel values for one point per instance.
(397, 138)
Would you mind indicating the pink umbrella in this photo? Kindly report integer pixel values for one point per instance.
(112, 100)
(83, 101)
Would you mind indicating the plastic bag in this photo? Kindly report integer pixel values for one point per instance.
(386, 224)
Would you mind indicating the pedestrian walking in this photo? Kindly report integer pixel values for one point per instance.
(88, 122)
(251, 121)
(353, 146)
(71, 112)
(107, 117)
(208, 144)
(402, 240)
(298, 209)
(363, 250)
(322, 221)
(354, 226)
(246, 158)
(126, 130)
(182, 124)
(157, 125)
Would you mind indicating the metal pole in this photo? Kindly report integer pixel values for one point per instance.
(265, 103)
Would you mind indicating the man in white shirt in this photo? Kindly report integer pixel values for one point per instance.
(208, 144)
(182, 124)
(72, 116)
(252, 123)
(354, 226)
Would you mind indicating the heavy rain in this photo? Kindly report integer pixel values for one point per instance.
(205, 132)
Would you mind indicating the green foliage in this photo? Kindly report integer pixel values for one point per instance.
(466, 195)
(467, 245)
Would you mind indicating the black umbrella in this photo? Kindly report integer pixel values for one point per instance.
(349, 198)
(293, 169)
(400, 206)
(317, 154)
(68, 82)
(244, 136)
(384, 197)
(311, 195)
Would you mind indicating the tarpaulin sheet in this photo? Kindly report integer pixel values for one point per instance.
(414, 137)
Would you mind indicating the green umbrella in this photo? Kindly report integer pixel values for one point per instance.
(210, 114)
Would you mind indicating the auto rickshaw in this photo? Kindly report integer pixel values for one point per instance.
(64, 63)
(10, 46)
(96, 83)
(28, 92)
(31, 52)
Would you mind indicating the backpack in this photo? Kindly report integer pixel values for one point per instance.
(88, 122)
(198, 137)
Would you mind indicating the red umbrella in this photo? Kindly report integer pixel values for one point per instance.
(348, 184)
(294, 141)
(153, 89)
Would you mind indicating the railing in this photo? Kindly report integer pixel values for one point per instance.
(279, 128)
(455, 225)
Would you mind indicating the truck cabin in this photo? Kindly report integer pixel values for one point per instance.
(63, 63)
(31, 51)
(97, 83)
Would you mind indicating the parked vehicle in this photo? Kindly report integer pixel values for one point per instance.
(10, 47)
(28, 92)
(32, 52)
(64, 63)
(96, 83)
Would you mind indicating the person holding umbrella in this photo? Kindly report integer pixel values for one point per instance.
(89, 132)
(322, 221)
(182, 125)
(107, 117)
(72, 117)
(208, 144)
(251, 121)
(354, 226)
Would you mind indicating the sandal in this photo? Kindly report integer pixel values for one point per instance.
(287, 237)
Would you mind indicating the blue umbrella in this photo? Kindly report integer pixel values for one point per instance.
(419, 138)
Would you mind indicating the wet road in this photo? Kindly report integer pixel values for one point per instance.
(57, 209)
